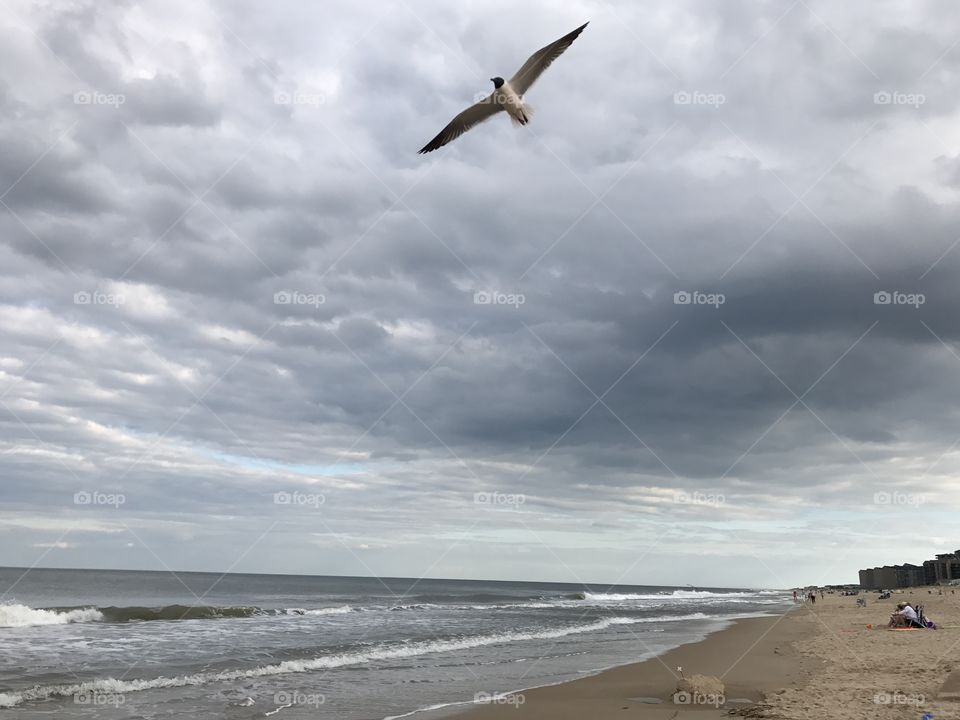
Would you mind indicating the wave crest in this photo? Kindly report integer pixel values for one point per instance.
(383, 652)
(14, 615)
(674, 595)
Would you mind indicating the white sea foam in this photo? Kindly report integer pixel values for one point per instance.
(667, 597)
(385, 652)
(340, 610)
(600, 598)
(414, 606)
(24, 616)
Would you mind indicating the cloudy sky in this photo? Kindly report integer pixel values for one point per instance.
(698, 323)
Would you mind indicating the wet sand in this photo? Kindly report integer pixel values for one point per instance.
(753, 657)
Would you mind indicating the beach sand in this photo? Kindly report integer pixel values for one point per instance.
(752, 656)
(817, 661)
(878, 673)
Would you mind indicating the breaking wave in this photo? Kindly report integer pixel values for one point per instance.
(24, 616)
(13, 615)
(339, 610)
(323, 662)
(675, 595)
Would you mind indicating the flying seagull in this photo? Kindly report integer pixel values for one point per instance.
(506, 96)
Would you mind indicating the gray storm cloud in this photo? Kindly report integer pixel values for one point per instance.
(704, 305)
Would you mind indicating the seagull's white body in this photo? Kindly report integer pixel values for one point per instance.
(512, 103)
(507, 95)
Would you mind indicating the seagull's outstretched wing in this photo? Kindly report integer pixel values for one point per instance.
(540, 61)
(473, 115)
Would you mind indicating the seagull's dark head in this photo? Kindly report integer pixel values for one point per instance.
(497, 82)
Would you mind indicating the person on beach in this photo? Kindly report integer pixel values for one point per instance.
(905, 616)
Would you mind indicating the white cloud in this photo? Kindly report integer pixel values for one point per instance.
(198, 198)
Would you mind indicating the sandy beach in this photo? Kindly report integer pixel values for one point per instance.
(875, 673)
(816, 661)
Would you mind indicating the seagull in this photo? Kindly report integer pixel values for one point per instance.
(506, 96)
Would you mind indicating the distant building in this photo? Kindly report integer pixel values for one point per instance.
(942, 570)
(885, 577)
(946, 567)
(908, 575)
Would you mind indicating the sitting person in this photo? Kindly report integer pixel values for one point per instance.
(905, 616)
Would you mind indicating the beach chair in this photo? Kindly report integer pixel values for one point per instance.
(919, 624)
(921, 621)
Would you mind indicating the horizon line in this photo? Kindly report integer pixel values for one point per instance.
(680, 586)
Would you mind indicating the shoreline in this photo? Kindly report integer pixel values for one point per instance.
(754, 656)
(834, 659)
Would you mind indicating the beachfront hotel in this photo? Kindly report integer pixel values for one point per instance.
(942, 570)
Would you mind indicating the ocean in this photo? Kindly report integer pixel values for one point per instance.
(123, 644)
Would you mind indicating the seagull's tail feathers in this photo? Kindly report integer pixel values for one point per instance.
(525, 115)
